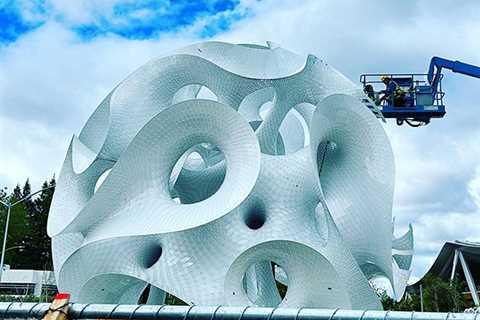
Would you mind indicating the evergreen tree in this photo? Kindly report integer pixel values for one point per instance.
(3, 210)
(18, 228)
(28, 245)
(28, 258)
(42, 242)
(27, 189)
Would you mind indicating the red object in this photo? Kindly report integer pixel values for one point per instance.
(62, 296)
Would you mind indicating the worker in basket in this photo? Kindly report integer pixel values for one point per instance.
(370, 92)
(393, 93)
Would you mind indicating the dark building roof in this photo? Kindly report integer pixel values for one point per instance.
(442, 267)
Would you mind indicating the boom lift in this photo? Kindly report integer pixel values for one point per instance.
(423, 92)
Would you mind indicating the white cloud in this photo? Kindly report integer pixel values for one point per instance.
(50, 82)
(82, 12)
(73, 12)
(129, 16)
(474, 187)
(24, 150)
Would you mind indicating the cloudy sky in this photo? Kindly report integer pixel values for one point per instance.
(58, 59)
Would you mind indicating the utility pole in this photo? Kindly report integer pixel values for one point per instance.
(9, 206)
(421, 297)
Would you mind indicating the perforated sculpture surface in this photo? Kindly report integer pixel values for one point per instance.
(279, 177)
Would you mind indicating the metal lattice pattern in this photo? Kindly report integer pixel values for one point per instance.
(283, 165)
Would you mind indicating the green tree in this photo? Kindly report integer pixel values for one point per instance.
(443, 296)
(29, 240)
(18, 229)
(438, 296)
(409, 302)
(41, 247)
(28, 245)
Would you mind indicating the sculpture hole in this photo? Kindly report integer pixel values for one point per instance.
(265, 109)
(206, 93)
(101, 179)
(197, 174)
(167, 299)
(305, 112)
(265, 283)
(194, 161)
(151, 255)
(193, 91)
(294, 132)
(144, 295)
(255, 217)
(172, 300)
(255, 124)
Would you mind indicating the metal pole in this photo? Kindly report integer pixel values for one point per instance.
(470, 281)
(421, 297)
(454, 265)
(12, 310)
(5, 241)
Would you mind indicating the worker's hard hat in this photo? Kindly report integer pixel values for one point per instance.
(384, 78)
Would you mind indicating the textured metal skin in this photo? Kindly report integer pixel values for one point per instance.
(113, 311)
(402, 257)
(287, 166)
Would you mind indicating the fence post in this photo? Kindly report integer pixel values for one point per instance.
(59, 308)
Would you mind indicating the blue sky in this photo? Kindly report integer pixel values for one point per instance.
(58, 59)
(12, 24)
(129, 19)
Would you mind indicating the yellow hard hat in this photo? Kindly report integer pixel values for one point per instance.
(384, 77)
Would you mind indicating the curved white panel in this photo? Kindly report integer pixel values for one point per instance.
(202, 196)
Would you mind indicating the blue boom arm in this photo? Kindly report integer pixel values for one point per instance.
(437, 63)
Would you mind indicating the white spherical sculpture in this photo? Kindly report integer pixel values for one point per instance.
(287, 168)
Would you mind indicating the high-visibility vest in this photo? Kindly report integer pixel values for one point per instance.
(398, 92)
